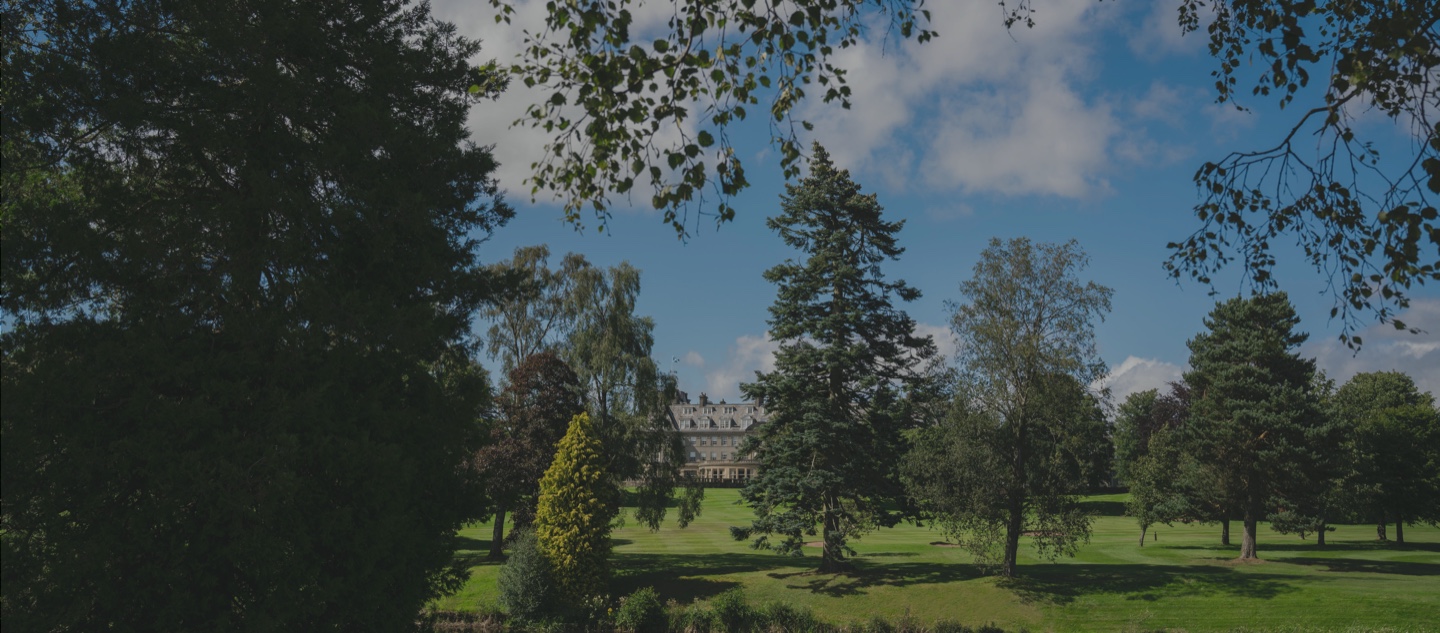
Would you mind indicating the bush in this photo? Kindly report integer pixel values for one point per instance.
(697, 619)
(572, 522)
(527, 583)
(735, 615)
(641, 612)
(951, 626)
(781, 616)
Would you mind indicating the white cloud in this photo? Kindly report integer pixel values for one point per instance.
(1138, 374)
(1388, 349)
(1160, 35)
(693, 359)
(749, 354)
(944, 339)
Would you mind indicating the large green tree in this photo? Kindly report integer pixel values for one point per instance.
(1394, 449)
(1027, 437)
(573, 521)
(239, 270)
(848, 358)
(540, 398)
(622, 103)
(1254, 417)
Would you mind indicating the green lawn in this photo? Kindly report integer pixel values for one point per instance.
(1183, 581)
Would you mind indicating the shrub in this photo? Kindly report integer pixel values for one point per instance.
(781, 616)
(641, 612)
(697, 619)
(572, 522)
(735, 615)
(526, 583)
(951, 626)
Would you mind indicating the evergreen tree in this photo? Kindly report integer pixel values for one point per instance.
(838, 395)
(1254, 413)
(572, 523)
(239, 268)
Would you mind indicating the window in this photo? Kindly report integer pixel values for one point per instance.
(692, 454)
(724, 456)
(693, 439)
(712, 454)
(704, 441)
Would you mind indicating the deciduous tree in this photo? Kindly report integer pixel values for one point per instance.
(1394, 449)
(536, 406)
(837, 398)
(1024, 440)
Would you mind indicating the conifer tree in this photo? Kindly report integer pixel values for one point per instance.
(837, 398)
(577, 503)
(1253, 414)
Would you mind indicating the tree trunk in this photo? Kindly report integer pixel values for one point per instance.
(1142, 534)
(1225, 531)
(1013, 528)
(1247, 544)
(497, 536)
(1320, 534)
(1400, 529)
(832, 557)
(1380, 528)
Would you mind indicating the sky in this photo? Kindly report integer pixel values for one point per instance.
(1089, 126)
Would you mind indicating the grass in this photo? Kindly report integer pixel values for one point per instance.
(1185, 580)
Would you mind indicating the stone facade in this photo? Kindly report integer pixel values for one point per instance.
(712, 432)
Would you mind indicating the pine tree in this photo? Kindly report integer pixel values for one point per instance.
(1254, 417)
(572, 522)
(837, 398)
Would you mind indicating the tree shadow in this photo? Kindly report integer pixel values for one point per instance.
(1350, 565)
(1104, 508)
(681, 576)
(864, 576)
(1365, 546)
(1063, 584)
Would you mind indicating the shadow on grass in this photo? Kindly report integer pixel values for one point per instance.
(1104, 508)
(1351, 565)
(1367, 546)
(1063, 584)
(682, 577)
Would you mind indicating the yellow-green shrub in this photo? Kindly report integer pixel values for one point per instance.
(572, 523)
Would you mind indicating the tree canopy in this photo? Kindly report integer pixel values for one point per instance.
(239, 268)
(1026, 437)
(629, 108)
(837, 397)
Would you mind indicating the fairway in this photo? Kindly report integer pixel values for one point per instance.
(1183, 581)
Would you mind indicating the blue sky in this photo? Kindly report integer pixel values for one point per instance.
(1089, 126)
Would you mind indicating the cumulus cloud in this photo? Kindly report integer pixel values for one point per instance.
(984, 110)
(693, 359)
(749, 354)
(1136, 374)
(1388, 349)
(1159, 35)
(944, 339)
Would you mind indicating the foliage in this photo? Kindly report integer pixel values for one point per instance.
(1394, 448)
(616, 99)
(837, 397)
(526, 583)
(239, 266)
(641, 612)
(1134, 424)
(733, 612)
(1024, 437)
(621, 103)
(1254, 416)
(536, 406)
(572, 523)
(1362, 222)
(586, 315)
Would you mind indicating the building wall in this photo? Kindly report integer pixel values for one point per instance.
(712, 432)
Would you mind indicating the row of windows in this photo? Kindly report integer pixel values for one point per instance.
(714, 441)
(702, 455)
(712, 409)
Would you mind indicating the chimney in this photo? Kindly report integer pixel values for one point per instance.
(704, 399)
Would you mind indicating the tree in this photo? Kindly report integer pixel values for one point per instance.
(837, 397)
(1253, 414)
(537, 312)
(1134, 424)
(1024, 441)
(1394, 449)
(621, 105)
(239, 267)
(577, 504)
(536, 407)
(586, 315)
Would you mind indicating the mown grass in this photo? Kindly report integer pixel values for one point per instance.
(1185, 580)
